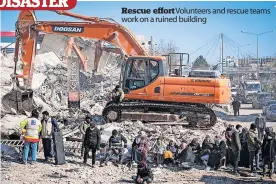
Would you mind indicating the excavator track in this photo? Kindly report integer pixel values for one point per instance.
(118, 108)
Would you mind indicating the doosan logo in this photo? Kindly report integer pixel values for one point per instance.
(37, 4)
(68, 29)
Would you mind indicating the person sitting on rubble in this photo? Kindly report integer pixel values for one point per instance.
(83, 127)
(172, 147)
(143, 147)
(117, 94)
(208, 146)
(190, 153)
(136, 155)
(144, 174)
(116, 145)
(269, 151)
(168, 157)
(159, 149)
(182, 147)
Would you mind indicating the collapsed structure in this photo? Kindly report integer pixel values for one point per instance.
(46, 76)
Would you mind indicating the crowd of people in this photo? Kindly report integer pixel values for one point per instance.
(240, 147)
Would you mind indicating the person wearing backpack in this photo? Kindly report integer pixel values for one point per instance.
(49, 126)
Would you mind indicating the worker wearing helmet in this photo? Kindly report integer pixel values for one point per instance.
(116, 144)
(117, 94)
(31, 128)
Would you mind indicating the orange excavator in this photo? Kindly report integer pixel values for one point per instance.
(145, 79)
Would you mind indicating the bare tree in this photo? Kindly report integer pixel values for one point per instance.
(164, 48)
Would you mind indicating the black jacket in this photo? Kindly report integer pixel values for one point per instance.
(117, 141)
(269, 148)
(92, 137)
(235, 141)
(236, 105)
(144, 172)
(187, 155)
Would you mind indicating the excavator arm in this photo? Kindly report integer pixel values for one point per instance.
(71, 45)
(27, 29)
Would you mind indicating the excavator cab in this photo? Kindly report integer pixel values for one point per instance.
(176, 64)
(141, 71)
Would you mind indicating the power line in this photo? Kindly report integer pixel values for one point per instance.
(204, 45)
(240, 46)
(214, 49)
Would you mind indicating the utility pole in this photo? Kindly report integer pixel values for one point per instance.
(238, 62)
(151, 45)
(258, 47)
(221, 51)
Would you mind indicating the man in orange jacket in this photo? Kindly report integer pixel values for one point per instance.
(31, 127)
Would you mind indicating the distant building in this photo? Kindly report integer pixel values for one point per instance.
(229, 61)
(251, 61)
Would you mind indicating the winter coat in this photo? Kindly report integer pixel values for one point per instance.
(118, 94)
(222, 149)
(136, 142)
(48, 127)
(117, 141)
(235, 141)
(144, 171)
(260, 123)
(207, 146)
(83, 127)
(269, 148)
(172, 148)
(228, 137)
(187, 155)
(253, 141)
(92, 137)
(159, 148)
(236, 105)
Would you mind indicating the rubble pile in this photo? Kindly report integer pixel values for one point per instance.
(177, 133)
(50, 86)
(51, 83)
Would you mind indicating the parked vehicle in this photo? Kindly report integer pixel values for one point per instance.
(260, 98)
(234, 91)
(271, 112)
(267, 104)
(247, 89)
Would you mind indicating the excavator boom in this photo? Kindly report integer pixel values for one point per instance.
(27, 29)
(145, 82)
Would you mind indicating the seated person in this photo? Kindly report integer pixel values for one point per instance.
(190, 153)
(144, 174)
(172, 147)
(117, 94)
(116, 145)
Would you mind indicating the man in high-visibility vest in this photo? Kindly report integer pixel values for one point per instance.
(31, 127)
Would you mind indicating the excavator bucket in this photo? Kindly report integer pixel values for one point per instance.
(20, 99)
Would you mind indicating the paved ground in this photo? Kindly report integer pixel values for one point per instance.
(247, 116)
